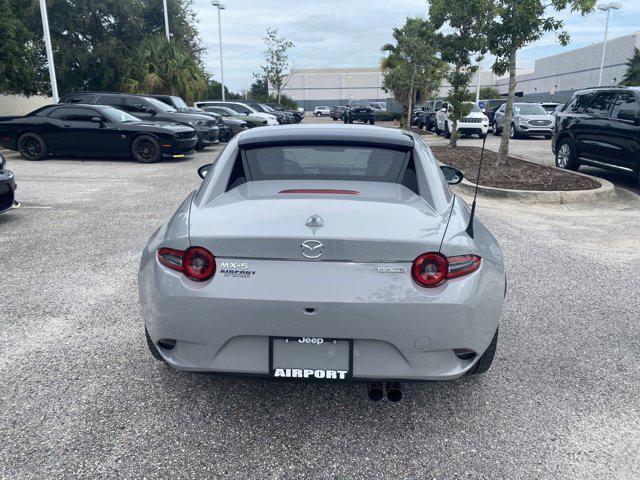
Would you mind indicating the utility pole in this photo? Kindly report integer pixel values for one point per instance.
(166, 19)
(606, 7)
(220, 6)
(47, 44)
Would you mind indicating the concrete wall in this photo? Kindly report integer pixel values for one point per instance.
(19, 105)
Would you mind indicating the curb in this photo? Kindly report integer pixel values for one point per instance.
(606, 191)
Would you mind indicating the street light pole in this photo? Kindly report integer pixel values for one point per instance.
(606, 7)
(47, 45)
(166, 19)
(220, 6)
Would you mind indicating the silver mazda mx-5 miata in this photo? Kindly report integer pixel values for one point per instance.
(324, 252)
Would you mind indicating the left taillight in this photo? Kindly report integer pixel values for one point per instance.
(434, 269)
(196, 263)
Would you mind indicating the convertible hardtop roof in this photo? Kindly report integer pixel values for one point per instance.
(327, 134)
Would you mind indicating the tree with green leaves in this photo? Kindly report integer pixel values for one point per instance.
(632, 75)
(488, 93)
(515, 24)
(276, 68)
(91, 41)
(459, 43)
(164, 67)
(411, 67)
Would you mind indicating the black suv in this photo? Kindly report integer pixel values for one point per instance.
(359, 113)
(150, 109)
(426, 117)
(600, 127)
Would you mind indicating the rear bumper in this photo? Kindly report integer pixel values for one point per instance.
(398, 330)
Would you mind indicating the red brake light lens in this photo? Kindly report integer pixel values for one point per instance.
(430, 269)
(463, 265)
(433, 269)
(196, 263)
(199, 264)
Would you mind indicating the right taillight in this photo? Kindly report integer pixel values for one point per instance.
(197, 263)
(433, 269)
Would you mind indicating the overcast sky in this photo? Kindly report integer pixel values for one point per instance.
(349, 33)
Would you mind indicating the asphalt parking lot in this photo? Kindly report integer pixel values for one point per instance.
(82, 398)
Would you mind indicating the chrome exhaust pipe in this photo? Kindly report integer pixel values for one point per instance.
(376, 392)
(394, 391)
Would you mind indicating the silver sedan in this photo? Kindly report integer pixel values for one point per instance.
(325, 252)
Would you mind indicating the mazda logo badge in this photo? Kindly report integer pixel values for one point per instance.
(311, 248)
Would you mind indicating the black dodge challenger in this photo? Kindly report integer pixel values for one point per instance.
(94, 130)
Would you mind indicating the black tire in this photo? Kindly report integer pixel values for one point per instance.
(318, 114)
(566, 155)
(372, 121)
(513, 133)
(32, 147)
(346, 120)
(146, 149)
(436, 129)
(496, 132)
(447, 133)
(485, 361)
(152, 348)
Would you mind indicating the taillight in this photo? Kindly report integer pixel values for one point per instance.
(196, 263)
(433, 269)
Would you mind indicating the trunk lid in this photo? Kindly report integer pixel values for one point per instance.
(384, 222)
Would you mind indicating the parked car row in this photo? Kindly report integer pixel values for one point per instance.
(144, 127)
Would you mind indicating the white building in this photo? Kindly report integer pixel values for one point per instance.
(553, 78)
(311, 87)
(558, 76)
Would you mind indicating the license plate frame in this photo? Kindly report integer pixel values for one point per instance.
(347, 376)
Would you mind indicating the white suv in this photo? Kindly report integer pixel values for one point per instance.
(476, 123)
(320, 111)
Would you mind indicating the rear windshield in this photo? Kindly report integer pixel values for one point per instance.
(325, 163)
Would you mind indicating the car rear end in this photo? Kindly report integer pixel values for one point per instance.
(320, 279)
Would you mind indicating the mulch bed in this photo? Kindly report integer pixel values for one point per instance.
(516, 174)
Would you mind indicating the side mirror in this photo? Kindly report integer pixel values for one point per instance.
(204, 170)
(452, 175)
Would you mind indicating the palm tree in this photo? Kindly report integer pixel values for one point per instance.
(632, 75)
(165, 67)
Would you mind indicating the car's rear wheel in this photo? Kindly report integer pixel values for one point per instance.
(146, 149)
(565, 156)
(485, 361)
(512, 131)
(152, 348)
(32, 147)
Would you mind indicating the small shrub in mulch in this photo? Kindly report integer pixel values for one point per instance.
(516, 174)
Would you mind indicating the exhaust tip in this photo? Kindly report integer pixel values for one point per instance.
(376, 392)
(394, 391)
